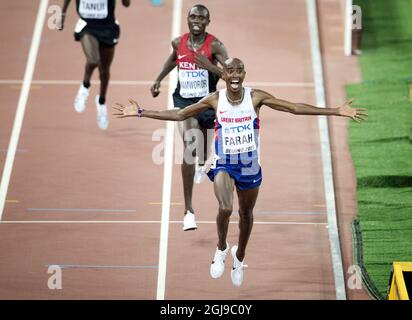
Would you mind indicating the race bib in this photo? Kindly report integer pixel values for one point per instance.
(93, 9)
(194, 83)
(238, 138)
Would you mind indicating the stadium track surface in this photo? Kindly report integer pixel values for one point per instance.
(90, 201)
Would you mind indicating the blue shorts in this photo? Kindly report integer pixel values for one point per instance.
(245, 178)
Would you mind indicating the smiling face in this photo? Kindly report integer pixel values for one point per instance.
(198, 20)
(234, 73)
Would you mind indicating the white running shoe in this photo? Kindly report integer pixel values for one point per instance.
(237, 270)
(218, 263)
(81, 98)
(102, 120)
(189, 222)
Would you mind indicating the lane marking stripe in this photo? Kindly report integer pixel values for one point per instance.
(168, 166)
(95, 266)
(286, 213)
(149, 83)
(326, 152)
(81, 210)
(21, 106)
(152, 222)
(235, 213)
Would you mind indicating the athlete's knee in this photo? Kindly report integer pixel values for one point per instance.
(246, 214)
(225, 209)
(104, 72)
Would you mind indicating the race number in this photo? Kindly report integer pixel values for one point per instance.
(194, 83)
(93, 9)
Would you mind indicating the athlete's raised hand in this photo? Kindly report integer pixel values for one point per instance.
(356, 114)
(131, 110)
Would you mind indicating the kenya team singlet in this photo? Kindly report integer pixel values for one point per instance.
(194, 82)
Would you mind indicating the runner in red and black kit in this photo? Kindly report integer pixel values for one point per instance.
(99, 32)
(193, 84)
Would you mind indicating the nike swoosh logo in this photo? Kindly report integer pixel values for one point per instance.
(222, 112)
(181, 56)
(254, 181)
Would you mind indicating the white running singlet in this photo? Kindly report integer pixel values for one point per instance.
(237, 126)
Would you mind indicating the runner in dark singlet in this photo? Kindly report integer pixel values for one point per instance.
(98, 31)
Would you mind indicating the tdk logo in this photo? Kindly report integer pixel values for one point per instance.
(194, 74)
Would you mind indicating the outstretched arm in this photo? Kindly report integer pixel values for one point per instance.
(134, 110)
(168, 66)
(345, 110)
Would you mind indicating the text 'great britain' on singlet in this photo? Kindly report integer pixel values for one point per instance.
(193, 81)
(236, 128)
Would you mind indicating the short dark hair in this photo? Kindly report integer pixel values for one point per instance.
(202, 7)
(233, 60)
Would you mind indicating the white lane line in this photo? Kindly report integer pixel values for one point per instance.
(326, 153)
(280, 84)
(21, 106)
(76, 82)
(274, 84)
(348, 28)
(168, 166)
(82, 210)
(286, 213)
(291, 223)
(98, 266)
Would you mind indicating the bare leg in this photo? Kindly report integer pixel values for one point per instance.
(106, 54)
(223, 187)
(208, 135)
(247, 201)
(190, 134)
(90, 47)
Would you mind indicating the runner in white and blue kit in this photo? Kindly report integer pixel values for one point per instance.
(236, 161)
(237, 141)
